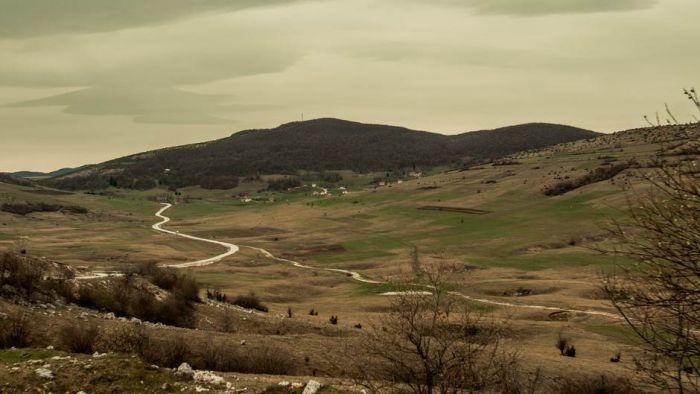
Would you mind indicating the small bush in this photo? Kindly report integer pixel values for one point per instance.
(227, 322)
(216, 295)
(570, 351)
(14, 330)
(183, 285)
(250, 301)
(562, 343)
(174, 311)
(79, 337)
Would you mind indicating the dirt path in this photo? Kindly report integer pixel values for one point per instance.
(232, 249)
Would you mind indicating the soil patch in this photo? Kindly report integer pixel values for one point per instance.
(470, 211)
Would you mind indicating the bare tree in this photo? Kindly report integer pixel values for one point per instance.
(428, 344)
(659, 294)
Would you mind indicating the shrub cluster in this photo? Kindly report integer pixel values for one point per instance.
(216, 295)
(250, 301)
(30, 207)
(173, 349)
(599, 174)
(15, 272)
(123, 298)
(220, 182)
(331, 177)
(283, 184)
(181, 284)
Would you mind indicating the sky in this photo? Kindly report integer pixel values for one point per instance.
(84, 81)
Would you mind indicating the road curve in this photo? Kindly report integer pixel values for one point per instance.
(230, 248)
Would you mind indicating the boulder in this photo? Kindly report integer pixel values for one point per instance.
(184, 370)
(312, 387)
(208, 378)
(44, 373)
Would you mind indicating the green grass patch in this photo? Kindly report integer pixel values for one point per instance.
(10, 356)
(546, 261)
(480, 307)
(362, 249)
(617, 331)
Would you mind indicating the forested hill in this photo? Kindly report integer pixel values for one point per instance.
(315, 145)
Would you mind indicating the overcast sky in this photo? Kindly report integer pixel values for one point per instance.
(83, 81)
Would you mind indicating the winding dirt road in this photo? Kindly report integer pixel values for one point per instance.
(232, 249)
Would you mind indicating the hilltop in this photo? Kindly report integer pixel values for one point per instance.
(315, 145)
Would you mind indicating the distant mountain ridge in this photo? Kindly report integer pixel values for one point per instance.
(316, 145)
(37, 174)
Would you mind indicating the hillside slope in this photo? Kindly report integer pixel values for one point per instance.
(316, 145)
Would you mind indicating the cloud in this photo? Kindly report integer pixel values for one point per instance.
(147, 104)
(547, 7)
(33, 18)
(137, 72)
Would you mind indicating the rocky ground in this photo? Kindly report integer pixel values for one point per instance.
(52, 371)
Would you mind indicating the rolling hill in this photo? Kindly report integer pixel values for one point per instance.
(39, 174)
(315, 145)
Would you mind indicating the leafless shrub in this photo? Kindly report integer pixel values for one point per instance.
(14, 330)
(562, 343)
(121, 338)
(167, 351)
(217, 356)
(427, 344)
(595, 385)
(659, 294)
(79, 337)
(227, 322)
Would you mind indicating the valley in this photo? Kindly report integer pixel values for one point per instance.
(506, 247)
